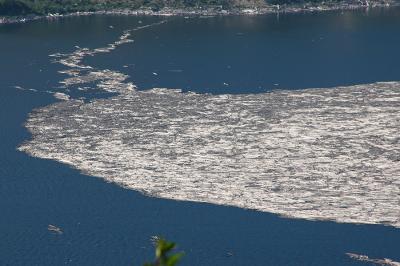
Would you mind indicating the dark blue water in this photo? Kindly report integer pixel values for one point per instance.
(104, 224)
(254, 54)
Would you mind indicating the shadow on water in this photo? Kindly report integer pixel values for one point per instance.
(104, 224)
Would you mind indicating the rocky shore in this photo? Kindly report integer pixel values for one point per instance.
(217, 11)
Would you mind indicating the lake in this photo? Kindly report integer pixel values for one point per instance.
(239, 56)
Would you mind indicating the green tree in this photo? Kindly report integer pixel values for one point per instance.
(163, 256)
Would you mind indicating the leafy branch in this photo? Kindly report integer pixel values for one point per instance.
(163, 256)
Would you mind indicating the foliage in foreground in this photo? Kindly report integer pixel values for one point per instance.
(163, 256)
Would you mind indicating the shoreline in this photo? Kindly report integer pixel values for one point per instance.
(201, 12)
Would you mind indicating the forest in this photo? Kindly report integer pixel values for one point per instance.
(42, 7)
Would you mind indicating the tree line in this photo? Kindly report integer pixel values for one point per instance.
(42, 7)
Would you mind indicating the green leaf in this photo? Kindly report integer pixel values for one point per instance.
(174, 259)
(163, 247)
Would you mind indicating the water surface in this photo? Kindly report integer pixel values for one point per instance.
(104, 224)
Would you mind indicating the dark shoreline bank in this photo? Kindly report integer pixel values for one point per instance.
(196, 12)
